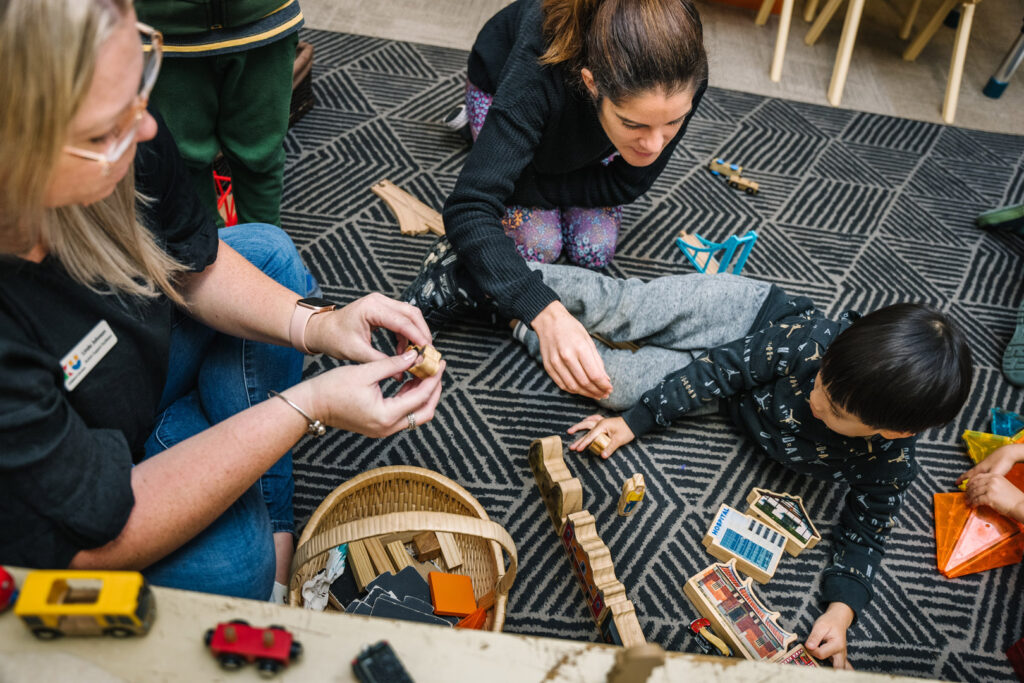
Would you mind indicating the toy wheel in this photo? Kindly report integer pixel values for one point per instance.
(733, 184)
(268, 667)
(118, 632)
(277, 627)
(46, 633)
(295, 651)
(243, 622)
(208, 636)
(750, 190)
(230, 662)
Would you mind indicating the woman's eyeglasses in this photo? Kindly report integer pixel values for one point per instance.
(121, 136)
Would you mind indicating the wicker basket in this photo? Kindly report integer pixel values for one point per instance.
(401, 499)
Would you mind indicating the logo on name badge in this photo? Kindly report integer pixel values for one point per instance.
(86, 354)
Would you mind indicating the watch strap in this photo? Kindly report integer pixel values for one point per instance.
(299, 322)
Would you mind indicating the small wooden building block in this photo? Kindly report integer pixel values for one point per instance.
(756, 547)
(784, 513)
(378, 556)
(450, 552)
(799, 656)
(562, 492)
(633, 490)
(452, 594)
(399, 557)
(426, 546)
(362, 567)
(599, 443)
(429, 362)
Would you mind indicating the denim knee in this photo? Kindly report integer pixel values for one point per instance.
(270, 249)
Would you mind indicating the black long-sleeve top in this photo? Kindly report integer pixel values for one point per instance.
(765, 380)
(540, 147)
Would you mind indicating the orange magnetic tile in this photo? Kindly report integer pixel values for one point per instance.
(452, 594)
(951, 512)
(1010, 551)
(475, 620)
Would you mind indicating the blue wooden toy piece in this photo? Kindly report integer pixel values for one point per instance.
(702, 253)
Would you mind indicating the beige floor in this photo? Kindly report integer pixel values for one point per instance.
(740, 52)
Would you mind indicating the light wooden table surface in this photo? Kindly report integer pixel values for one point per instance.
(174, 651)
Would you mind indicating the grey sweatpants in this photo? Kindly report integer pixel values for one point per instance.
(676, 317)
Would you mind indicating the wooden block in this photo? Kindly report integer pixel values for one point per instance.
(378, 556)
(633, 490)
(785, 514)
(414, 217)
(362, 567)
(799, 656)
(399, 557)
(599, 443)
(717, 592)
(424, 568)
(562, 493)
(426, 546)
(451, 594)
(404, 537)
(429, 363)
(756, 547)
(449, 551)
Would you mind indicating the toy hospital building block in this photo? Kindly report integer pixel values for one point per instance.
(605, 595)
(785, 514)
(633, 490)
(756, 547)
(736, 614)
(562, 493)
(701, 252)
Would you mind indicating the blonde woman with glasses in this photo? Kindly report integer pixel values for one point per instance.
(149, 366)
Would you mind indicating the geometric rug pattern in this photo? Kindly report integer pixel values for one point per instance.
(855, 211)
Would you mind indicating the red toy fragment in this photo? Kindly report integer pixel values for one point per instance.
(8, 590)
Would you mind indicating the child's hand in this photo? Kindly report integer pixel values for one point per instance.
(828, 635)
(615, 427)
(999, 461)
(996, 492)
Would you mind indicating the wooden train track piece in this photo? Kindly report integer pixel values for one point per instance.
(562, 492)
(737, 614)
(605, 595)
(756, 547)
(428, 363)
(414, 217)
(786, 514)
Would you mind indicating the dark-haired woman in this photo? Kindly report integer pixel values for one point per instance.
(575, 107)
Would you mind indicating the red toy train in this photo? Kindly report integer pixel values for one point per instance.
(235, 643)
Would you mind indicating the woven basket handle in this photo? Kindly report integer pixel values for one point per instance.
(399, 522)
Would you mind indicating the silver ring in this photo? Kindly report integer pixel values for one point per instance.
(411, 417)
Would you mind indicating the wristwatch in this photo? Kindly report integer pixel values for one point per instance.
(304, 310)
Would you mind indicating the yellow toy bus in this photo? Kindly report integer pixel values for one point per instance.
(55, 603)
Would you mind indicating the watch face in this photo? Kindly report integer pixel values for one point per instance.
(316, 302)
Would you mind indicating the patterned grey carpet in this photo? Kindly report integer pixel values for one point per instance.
(855, 211)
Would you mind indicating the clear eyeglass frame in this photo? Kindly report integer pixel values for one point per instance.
(126, 127)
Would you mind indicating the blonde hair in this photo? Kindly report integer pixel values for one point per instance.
(48, 51)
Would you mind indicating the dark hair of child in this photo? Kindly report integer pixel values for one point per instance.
(631, 46)
(903, 368)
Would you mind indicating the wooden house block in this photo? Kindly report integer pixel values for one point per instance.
(756, 547)
(633, 490)
(414, 217)
(785, 514)
(399, 557)
(426, 546)
(736, 614)
(379, 556)
(450, 552)
(429, 361)
(799, 656)
(362, 567)
(562, 493)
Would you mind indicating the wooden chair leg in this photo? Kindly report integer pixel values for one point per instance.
(956, 66)
(781, 39)
(762, 14)
(908, 22)
(850, 26)
(822, 21)
(810, 7)
(916, 45)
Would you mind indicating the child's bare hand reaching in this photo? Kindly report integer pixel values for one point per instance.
(614, 427)
(828, 635)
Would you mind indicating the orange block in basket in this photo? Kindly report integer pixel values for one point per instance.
(452, 594)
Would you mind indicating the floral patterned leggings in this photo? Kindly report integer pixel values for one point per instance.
(588, 235)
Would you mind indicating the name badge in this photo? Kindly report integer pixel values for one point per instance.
(86, 354)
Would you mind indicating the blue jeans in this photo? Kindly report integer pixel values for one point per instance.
(212, 376)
